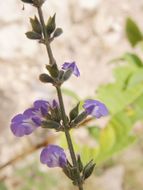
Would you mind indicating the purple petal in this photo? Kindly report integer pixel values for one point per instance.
(95, 108)
(40, 103)
(17, 119)
(29, 112)
(37, 121)
(71, 66)
(43, 106)
(53, 156)
(54, 104)
(17, 130)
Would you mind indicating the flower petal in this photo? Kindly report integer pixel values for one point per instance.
(71, 66)
(53, 156)
(95, 108)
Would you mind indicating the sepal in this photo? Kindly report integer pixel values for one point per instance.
(79, 119)
(80, 164)
(57, 32)
(70, 172)
(36, 26)
(56, 114)
(45, 78)
(67, 75)
(53, 70)
(51, 25)
(50, 124)
(88, 169)
(33, 35)
(74, 112)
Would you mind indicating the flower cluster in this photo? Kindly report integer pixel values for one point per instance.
(32, 118)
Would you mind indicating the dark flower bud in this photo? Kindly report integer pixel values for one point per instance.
(67, 75)
(88, 169)
(33, 35)
(46, 78)
(57, 32)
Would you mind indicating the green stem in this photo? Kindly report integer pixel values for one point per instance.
(48, 48)
(68, 137)
(67, 134)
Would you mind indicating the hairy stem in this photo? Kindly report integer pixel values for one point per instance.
(60, 97)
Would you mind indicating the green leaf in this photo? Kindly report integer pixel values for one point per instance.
(133, 32)
(36, 26)
(70, 93)
(94, 131)
(2, 186)
(136, 78)
(107, 139)
(33, 35)
(133, 59)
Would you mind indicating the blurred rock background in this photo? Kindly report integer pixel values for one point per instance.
(93, 35)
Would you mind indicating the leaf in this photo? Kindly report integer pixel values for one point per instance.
(94, 131)
(133, 32)
(107, 139)
(132, 58)
(136, 78)
(70, 93)
(33, 35)
(2, 186)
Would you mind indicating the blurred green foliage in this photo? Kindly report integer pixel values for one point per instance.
(124, 99)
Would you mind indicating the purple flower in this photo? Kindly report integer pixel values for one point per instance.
(42, 106)
(26, 123)
(95, 108)
(71, 66)
(53, 156)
